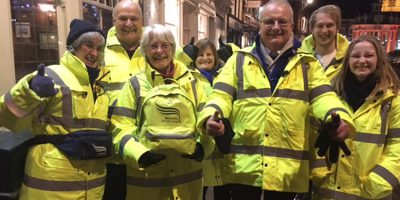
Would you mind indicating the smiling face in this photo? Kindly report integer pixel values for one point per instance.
(90, 52)
(363, 60)
(128, 23)
(324, 30)
(159, 55)
(205, 59)
(276, 25)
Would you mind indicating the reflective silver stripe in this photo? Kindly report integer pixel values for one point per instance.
(123, 142)
(292, 94)
(165, 182)
(193, 83)
(394, 133)
(304, 68)
(201, 106)
(136, 86)
(66, 102)
(124, 112)
(317, 91)
(72, 123)
(225, 88)
(270, 151)
(13, 107)
(244, 149)
(111, 86)
(286, 153)
(387, 175)
(111, 109)
(384, 114)
(331, 194)
(239, 71)
(216, 107)
(318, 163)
(243, 94)
(49, 185)
(328, 114)
(52, 74)
(370, 138)
(176, 136)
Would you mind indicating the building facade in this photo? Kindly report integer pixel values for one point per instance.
(35, 31)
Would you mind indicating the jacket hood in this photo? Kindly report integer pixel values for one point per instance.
(308, 45)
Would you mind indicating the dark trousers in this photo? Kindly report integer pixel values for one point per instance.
(221, 192)
(246, 192)
(115, 188)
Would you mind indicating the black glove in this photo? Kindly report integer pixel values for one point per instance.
(198, 154)
(42, 85)
(224, 51)
(191, 50)
(150, 158)
(224, 141)
(325, 142)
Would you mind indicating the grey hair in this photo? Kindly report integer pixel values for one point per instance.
(275, 2)
(157, 32)
(125, 2)
(85, 38)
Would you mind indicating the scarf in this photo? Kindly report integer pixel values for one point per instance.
(356, 91)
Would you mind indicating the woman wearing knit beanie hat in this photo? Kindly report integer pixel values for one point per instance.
(66, 160)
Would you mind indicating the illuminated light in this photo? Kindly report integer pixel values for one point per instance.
(52, 37)
(46, 7)
(310, 1)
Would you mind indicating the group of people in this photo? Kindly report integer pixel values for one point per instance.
(132, 115)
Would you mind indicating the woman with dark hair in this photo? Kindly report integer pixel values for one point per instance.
(207, 60)
(369, 88)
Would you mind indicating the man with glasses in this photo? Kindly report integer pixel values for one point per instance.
(266, 91)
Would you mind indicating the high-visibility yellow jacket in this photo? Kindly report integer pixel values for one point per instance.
(49, 174)
(308, 46)
(120, 67)
(372, 169)
(271, 145)
(175, 176)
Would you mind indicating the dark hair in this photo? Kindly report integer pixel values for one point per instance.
(332, 10)
(202, 44)
(386, 77)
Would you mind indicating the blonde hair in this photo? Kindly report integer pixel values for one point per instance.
(332, 10)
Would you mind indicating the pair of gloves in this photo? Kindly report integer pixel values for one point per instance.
(325, 142)
(224, 51)
(151, 157)
(42, 85)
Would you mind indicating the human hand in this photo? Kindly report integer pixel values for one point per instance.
(214, 125)
(197, 155)
(224, 51)
(42, 85)
(150, 158)
(330, 138)
(191, 50)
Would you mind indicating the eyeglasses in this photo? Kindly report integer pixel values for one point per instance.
(271, 22)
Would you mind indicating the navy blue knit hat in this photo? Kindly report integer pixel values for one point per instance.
(79, 27)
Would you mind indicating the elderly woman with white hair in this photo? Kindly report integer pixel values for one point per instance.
(154, 124)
